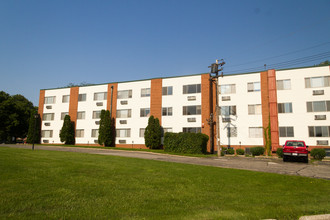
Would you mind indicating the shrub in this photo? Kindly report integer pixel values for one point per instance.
(318, 153)
(239, 151)
(189, 143)
(257, 151)
(279, 152)
(67, 134)
(106, 134)
(153, 134)
(230, 151)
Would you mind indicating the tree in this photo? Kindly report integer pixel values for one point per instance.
(106, 137)
(67, 133)
(34, 129)
(153, 133)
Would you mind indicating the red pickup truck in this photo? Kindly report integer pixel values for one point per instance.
(297, 149)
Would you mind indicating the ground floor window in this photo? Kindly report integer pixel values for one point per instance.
(192, 130)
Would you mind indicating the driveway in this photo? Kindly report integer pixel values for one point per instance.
(261, 164)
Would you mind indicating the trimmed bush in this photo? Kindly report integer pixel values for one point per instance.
(279, 152)
(67, 134)
(239, 151)
(318, 153)
(230, 151)
(257, 151)
(153, 133)
(189, 143)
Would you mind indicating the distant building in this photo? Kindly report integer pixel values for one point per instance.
(295, 103)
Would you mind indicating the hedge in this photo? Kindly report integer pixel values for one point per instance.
(257, 151)
(318, 153)
(240, 152)
(230, 151)
(189, 143)
(279, 152)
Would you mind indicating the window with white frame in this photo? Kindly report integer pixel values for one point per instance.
(255, 132)
(63, 114)
(145, 92)
(319, 131)
(228, 89)
(50, 100)
(167, 111)
(228, 110)
(165, 130)
(124, 113)
(81, 115)
(142, 130)
(144, 112)
(167, 90)
(79, 133)
(284, 107)
(316, 82)
(82, 97)
(192, 110)
(254, 109)
(65, 98)
(96, 114)
(193, 88)
(95, 133)
(284, 84)
(124, 94)
(286, 132)
(231, 132)
(99, 96)
(48, 116)
(192, 130)
(125, 132)
(253, 87)
(47, 133)
(318, 106)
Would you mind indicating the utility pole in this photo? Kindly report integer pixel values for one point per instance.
(215, 69)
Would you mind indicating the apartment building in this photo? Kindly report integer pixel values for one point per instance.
(294, 103)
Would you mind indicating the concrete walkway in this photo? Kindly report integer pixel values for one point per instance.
(262, 164)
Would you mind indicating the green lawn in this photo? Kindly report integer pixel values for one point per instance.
(65, 185)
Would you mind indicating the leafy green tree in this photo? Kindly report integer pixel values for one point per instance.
(106, 137)
(67, 133)
(101, 128)
(34, 129)
(153, 133)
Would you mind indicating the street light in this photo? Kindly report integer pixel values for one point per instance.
(35, 128)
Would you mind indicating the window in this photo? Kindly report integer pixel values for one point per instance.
(318, 106)
(284, 107)
(286, 132)
(319, 131)
(192, 110)
(284, 84)
(253, 86)
(96, 114)
(79, 133)
(145, 92)
(228, 89)
(82, 97)
(98, 96)
(228, 110)
(315, 82)
(167, 111)
(95, 133)
(231, 132)
(47, 133)
(142, 130)
(65, 98)
(254, 109)
(124, 94)
(48, 117)
(126, 132)
(80, 115)
(63, 114)
(50, 100)
(255, 132)
(194, 88)
(124, 113)
(144, 112)
(167, 90)
(167, 130)
(192, 130)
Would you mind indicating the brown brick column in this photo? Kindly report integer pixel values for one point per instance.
(73, 105)
(156, 99)
(264, 100)
(114, 99)
(41, 103)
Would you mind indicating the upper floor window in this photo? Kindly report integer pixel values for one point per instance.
(167, 90)
(254, 109)
(318, 106)
(98, 96)
(192, 110)
(253, 86)
(167, 111)
(192, 130)
(124, 94)
(145, 92)
(124, 113)
(80, 115)
(82, 97)
(96, 114)
(193, 88)
(284, 84)
(286, 132)
(50, 100)
(48, 117)
(144, 112)
(63, 114)
(228, 89)
(315, 82)
(65, 98)
(228, 110)
(284, 107)
(318, 131)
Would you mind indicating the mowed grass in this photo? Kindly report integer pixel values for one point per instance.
(65, 185)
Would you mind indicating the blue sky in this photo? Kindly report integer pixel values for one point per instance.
(49, 44)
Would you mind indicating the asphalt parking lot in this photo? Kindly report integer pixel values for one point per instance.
(318, 169)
